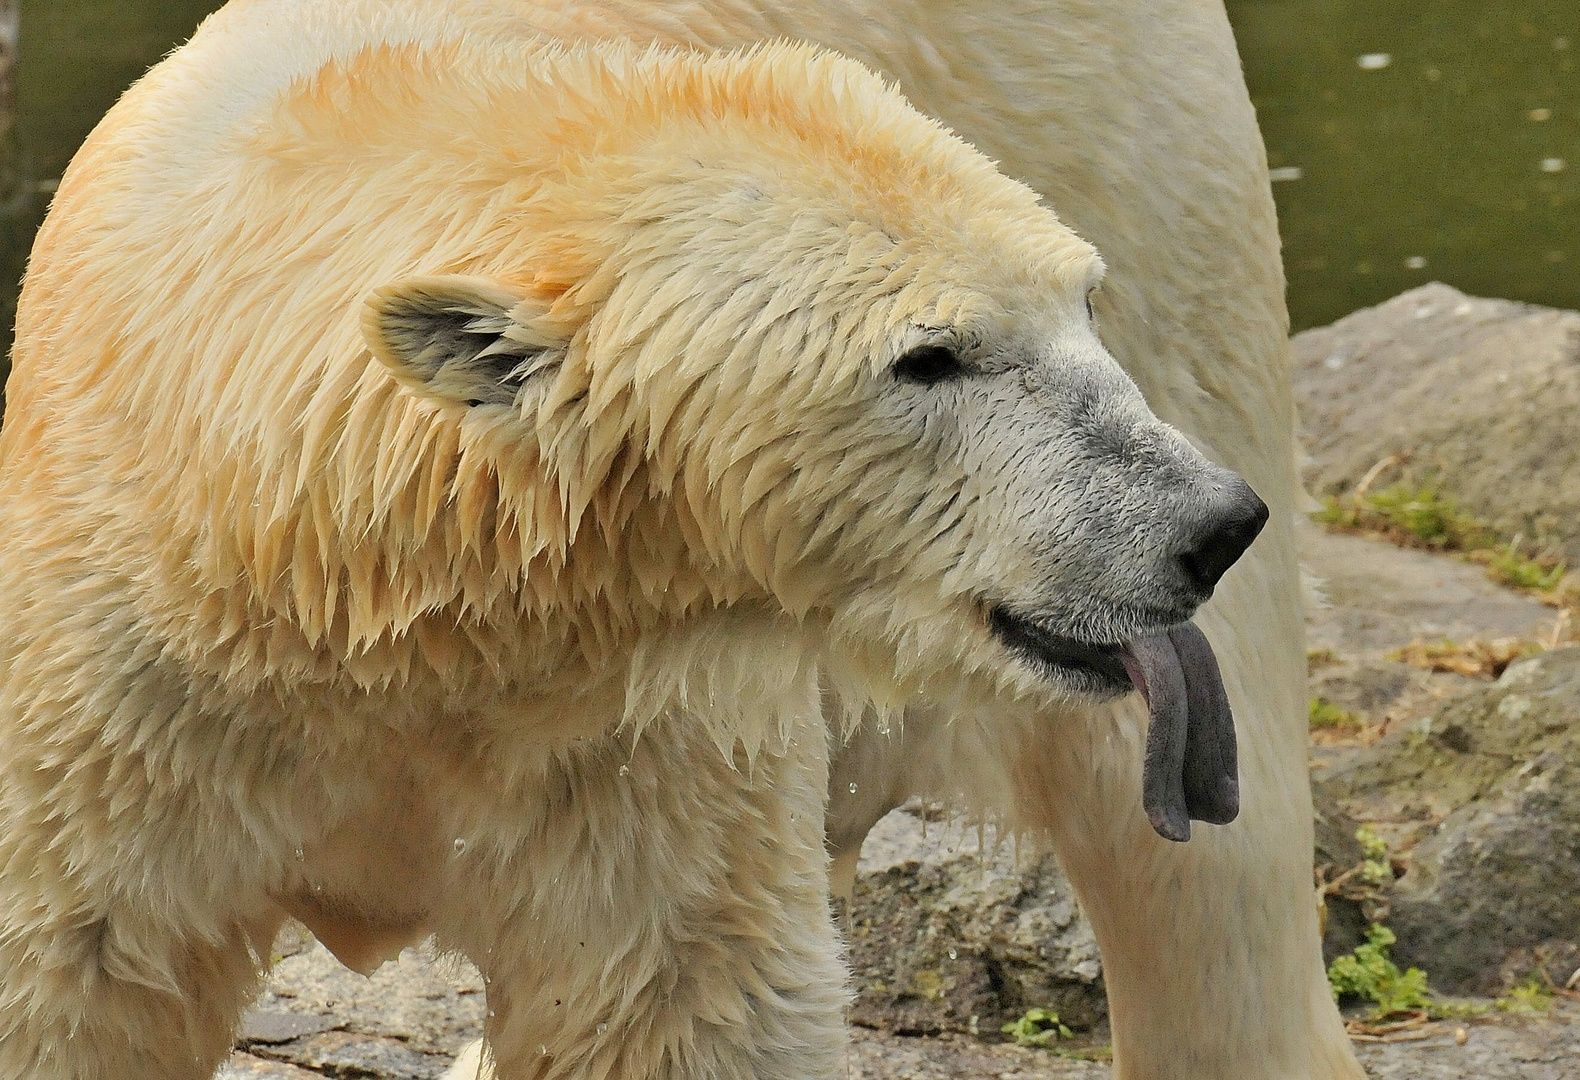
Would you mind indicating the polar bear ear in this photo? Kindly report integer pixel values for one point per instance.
(466, 340)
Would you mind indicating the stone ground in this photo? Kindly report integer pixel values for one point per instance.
(316, 1019)
(406, 1022)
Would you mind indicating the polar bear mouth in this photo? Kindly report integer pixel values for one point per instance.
(1093, 668)
(1190, 770)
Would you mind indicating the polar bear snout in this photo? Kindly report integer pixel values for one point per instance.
(1219, 542)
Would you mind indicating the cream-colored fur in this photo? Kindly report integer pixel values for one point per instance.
(1133, 121)
(287, 634)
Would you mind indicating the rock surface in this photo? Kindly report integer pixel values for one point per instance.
(952, 931)
(1494, 779)
(360, 1037)
(316, 1018)
(1480, 397)
(1374, 599)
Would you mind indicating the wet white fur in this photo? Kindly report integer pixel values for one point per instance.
(293, 629)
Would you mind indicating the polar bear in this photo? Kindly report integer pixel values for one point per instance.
(1134, 122)
(502, 605)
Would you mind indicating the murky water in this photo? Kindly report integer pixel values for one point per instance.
(76, 58)
(1413, 139)
(1420, 140)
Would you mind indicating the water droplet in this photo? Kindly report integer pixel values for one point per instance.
(491, 1013)
(1432, 75)
(853, 787)
(953, 955)
(543, 1050)
(1540, 115)
(602, 1029)
(299, 855)
(1416, 262)
(1285, 173)
(625, 770)
(1560, 43)
(1554, 164)
(460, 845)
(1374, 61)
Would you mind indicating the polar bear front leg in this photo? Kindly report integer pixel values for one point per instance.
(665, 918)
(93, 988)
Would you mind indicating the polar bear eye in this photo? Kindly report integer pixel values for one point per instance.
(1090, 313)
(929, 364)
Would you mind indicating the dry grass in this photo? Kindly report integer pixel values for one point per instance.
(1477, 658)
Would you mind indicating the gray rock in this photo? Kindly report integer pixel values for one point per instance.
(951, 932)
(317, 1018)
(1345, 919)
(243, 1066)
(267, 1026)
(1376, 597)
(344, 1053)
(1481, 395)
(1502, 1047)
(1492, 786)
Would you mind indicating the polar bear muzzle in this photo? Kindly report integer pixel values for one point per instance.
(1190, 771)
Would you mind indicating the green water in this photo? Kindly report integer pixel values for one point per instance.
(1418, 140)
(76, 58)
(1456, 158)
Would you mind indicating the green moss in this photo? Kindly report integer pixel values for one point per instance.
(1508, 566)
(1369, 974)
(1531, 996)
(1423, 517)
(1325, 715)
(1418, 517)
(928, 985)
(1037, 1027)
(1456, 1010)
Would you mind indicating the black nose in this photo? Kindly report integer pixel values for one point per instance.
(1225, 537)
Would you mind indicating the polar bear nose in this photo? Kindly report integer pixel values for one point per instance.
(1226, 536)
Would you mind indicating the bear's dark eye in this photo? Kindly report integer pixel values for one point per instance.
(929, 364)
(1090, 314)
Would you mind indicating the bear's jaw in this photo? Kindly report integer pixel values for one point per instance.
(1087, 666)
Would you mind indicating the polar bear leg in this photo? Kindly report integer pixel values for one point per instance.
(103, 994)
(470, 1065)
(664, 916)
(1211, 951)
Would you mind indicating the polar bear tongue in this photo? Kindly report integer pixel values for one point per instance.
(1190, 770)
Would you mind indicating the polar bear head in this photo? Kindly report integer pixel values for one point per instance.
(760, 324)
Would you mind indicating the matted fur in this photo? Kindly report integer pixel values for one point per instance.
(283, 600)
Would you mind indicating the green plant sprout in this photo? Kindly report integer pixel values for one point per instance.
(1370, 974)
(1324, 715)
(1377, 868)
(1037, 1027)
